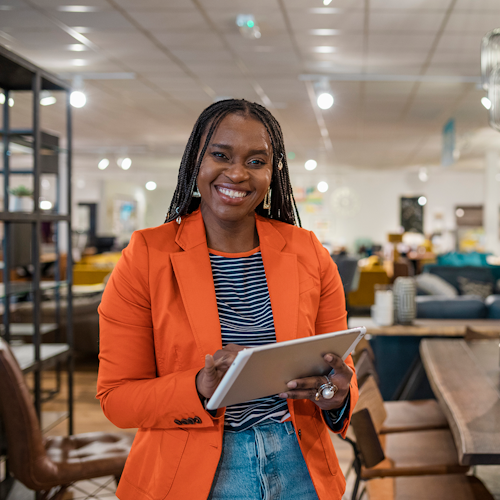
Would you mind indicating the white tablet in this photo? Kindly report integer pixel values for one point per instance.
(263, 371)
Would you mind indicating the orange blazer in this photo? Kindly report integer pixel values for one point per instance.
(158, 320)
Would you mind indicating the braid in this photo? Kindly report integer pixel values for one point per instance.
(283, 206)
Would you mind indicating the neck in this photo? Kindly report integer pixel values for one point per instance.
(230, 236)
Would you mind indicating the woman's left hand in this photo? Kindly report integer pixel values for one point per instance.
(307, 388)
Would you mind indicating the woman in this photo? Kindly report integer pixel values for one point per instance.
(229, 269)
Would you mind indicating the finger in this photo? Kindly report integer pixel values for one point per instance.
(209, 365)
(301, 394)
(335, 362)
(307, 383)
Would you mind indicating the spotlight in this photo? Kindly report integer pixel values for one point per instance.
(78, 99)
(422, 201)
(151, 185)
(325, 100)
(103, 164)
(310, 164)
(322, 187)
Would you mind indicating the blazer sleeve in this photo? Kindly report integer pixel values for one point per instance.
(130, 392)
(332, 316)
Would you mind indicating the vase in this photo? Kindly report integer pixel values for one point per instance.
(20, 203)
(405, 307)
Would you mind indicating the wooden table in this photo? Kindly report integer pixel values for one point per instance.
(430, 327)
(465, 378)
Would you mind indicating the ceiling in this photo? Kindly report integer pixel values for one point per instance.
(399, 70)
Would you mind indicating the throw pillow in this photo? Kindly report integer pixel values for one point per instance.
(479, 288)
(432, 284)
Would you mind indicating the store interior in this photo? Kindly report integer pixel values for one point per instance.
(391, 122)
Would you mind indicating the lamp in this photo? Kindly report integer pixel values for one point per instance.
(324, 97)
(490, 55)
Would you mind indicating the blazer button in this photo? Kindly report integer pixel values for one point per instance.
(178, 422)
(190, 421)
(184, 421)
(197, 420)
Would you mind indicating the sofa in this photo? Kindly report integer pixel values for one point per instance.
(460, 292)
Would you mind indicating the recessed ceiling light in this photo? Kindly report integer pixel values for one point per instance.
(486, 102)
(79, 62)
(103, 164)
(77, 8)
(151, 185)
(324, 49)
(77, 47)
(422, 201)
(322, 187)
(310, 164)
(325, 100)
(126, 163)
(324, 32)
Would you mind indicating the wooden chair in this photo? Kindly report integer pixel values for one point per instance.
(449, 487)
(378, 455)
(402, 416)
(49, 465)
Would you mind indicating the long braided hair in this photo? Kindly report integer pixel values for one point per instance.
(283, 206)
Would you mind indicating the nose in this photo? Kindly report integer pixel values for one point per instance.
(236, 173)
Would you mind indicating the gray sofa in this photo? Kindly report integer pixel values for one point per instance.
(468, 292)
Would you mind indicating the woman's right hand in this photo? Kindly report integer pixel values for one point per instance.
(216, 366)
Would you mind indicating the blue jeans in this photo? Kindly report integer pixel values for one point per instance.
(262, 463)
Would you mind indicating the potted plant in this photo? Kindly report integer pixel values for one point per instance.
(20, 199)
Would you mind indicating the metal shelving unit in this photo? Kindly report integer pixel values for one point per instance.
(18, 74)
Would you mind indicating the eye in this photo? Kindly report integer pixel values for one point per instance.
(257, 162)
(218, 154)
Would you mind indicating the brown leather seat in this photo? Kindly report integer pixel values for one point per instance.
(45, 463)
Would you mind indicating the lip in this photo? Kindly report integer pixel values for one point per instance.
(228, 200)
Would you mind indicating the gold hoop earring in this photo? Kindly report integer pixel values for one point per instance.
(266, 204)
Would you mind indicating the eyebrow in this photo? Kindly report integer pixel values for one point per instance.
(230, 148)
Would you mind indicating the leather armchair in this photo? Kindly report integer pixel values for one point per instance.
(49, 465)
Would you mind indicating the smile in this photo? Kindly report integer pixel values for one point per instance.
(231, 193)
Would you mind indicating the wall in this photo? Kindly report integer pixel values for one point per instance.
(378, 193)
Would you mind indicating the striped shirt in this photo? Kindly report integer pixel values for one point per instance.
(246, 319)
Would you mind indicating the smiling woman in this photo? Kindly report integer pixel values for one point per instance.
(229, 269)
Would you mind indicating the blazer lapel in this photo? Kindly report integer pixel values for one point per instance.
(282, 280)
(194, 275)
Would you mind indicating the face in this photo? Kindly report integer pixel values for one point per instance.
(236, 170)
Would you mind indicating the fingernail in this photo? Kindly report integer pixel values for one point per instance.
(328, 358)
(283, 395)
(291, 385)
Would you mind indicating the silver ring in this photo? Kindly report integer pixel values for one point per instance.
(327, 391)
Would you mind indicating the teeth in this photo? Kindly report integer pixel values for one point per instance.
(231, 193)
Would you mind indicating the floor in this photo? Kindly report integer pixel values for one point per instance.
(89, 418)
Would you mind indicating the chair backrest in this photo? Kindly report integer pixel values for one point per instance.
(365, 368)
(367, 440)
(25, 448)
(349, 273)
(371, 400)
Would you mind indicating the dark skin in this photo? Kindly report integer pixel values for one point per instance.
(234, 177)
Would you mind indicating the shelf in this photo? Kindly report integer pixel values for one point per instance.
(28, 329)
(33, 217)
(25, 287)
(49, 355)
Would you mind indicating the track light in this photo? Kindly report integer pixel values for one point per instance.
(103, 164)
(324, 97)
(77, 98)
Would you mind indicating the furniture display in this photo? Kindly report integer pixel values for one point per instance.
(396, 350)
(417, 453)
(468, 281)
(465, 377)
(23, 234)
(49, 465)
(364, 296)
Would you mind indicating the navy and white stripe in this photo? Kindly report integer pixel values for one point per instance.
(246, 318)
